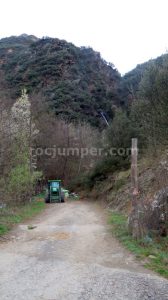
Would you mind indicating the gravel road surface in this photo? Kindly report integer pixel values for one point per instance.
(71, 255)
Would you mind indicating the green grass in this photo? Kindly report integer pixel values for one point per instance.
(3, 229)
(157, 247)
(14, 215)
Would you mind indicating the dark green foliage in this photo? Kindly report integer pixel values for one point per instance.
(144, 91)
(117, 150)
(106, 166)
(130, 84)
(100, 172)
(76, 82)
(123, 128)
(121, 131)
(151, 110)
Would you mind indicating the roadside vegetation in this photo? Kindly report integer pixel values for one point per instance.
(152, 250)
(13, 215)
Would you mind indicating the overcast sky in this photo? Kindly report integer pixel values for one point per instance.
(125, 32)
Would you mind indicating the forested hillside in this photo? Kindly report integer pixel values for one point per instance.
(144, 92)
(68, 114)
(76, 82)
(130, 83)
(70, 89)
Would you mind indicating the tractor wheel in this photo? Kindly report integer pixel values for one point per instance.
(47, 199)
(62, 199)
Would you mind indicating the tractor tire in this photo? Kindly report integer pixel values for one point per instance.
(62, 197)
(47, 199)
(62, 200)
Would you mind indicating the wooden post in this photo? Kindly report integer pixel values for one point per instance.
(136, 225)
(134, 171)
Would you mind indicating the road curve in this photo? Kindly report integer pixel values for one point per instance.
(71, 255)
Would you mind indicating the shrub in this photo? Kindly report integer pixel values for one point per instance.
(20, 184)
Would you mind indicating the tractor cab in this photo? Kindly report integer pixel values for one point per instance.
(54, 192)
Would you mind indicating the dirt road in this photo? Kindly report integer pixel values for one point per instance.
(71, 255)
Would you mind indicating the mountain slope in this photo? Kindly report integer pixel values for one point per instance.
(76, 82)
(129, 87)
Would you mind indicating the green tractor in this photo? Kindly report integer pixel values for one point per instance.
(54, 192)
